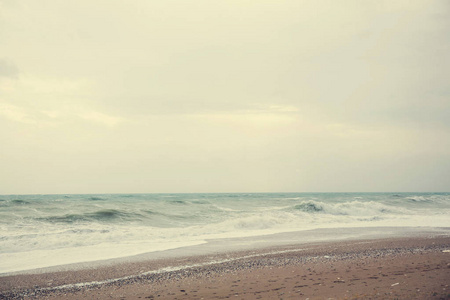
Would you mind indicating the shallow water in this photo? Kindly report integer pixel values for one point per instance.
(48, 230)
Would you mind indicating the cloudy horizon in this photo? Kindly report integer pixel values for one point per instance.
(224, 96)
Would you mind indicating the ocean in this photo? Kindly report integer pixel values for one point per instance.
(39, 231)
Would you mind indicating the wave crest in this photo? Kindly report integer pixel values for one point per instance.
(101, 215)
(20, 202)
(310, 206)
(351, 208)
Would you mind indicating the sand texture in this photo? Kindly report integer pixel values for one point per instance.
(408, 268)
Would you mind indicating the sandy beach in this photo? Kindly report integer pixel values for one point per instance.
(395, 268)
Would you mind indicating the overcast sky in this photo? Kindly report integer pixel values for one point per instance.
(110, 96)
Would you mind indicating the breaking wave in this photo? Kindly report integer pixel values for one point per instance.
(138, 223)
(345, 208)
(101, 215)
(310, 206)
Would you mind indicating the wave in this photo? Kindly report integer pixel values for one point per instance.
(42, 234)
(251, 222)
(177, 202)
(148, 216)
(357, 208)
(200, 202)
(310, 206)
(107, 214)
(144, 222)
(153, 213)
(419, 199)
(101, 215)
(20, 202)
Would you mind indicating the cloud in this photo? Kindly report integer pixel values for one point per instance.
(8, 69)
(248, 88)
(15, 113)
(101, 118)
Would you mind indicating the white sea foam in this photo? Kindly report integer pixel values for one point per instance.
(40, 231)
(20, 261)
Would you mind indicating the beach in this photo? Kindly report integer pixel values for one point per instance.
(242, 246)
(413, 267)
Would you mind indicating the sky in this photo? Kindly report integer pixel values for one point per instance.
(114, 96)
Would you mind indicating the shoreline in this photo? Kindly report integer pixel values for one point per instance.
(132, 278)
(247, 243)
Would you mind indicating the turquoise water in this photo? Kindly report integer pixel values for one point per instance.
(47, 230)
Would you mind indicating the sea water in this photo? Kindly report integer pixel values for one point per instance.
(47, 230)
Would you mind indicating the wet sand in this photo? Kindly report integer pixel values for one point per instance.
(399, 268)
